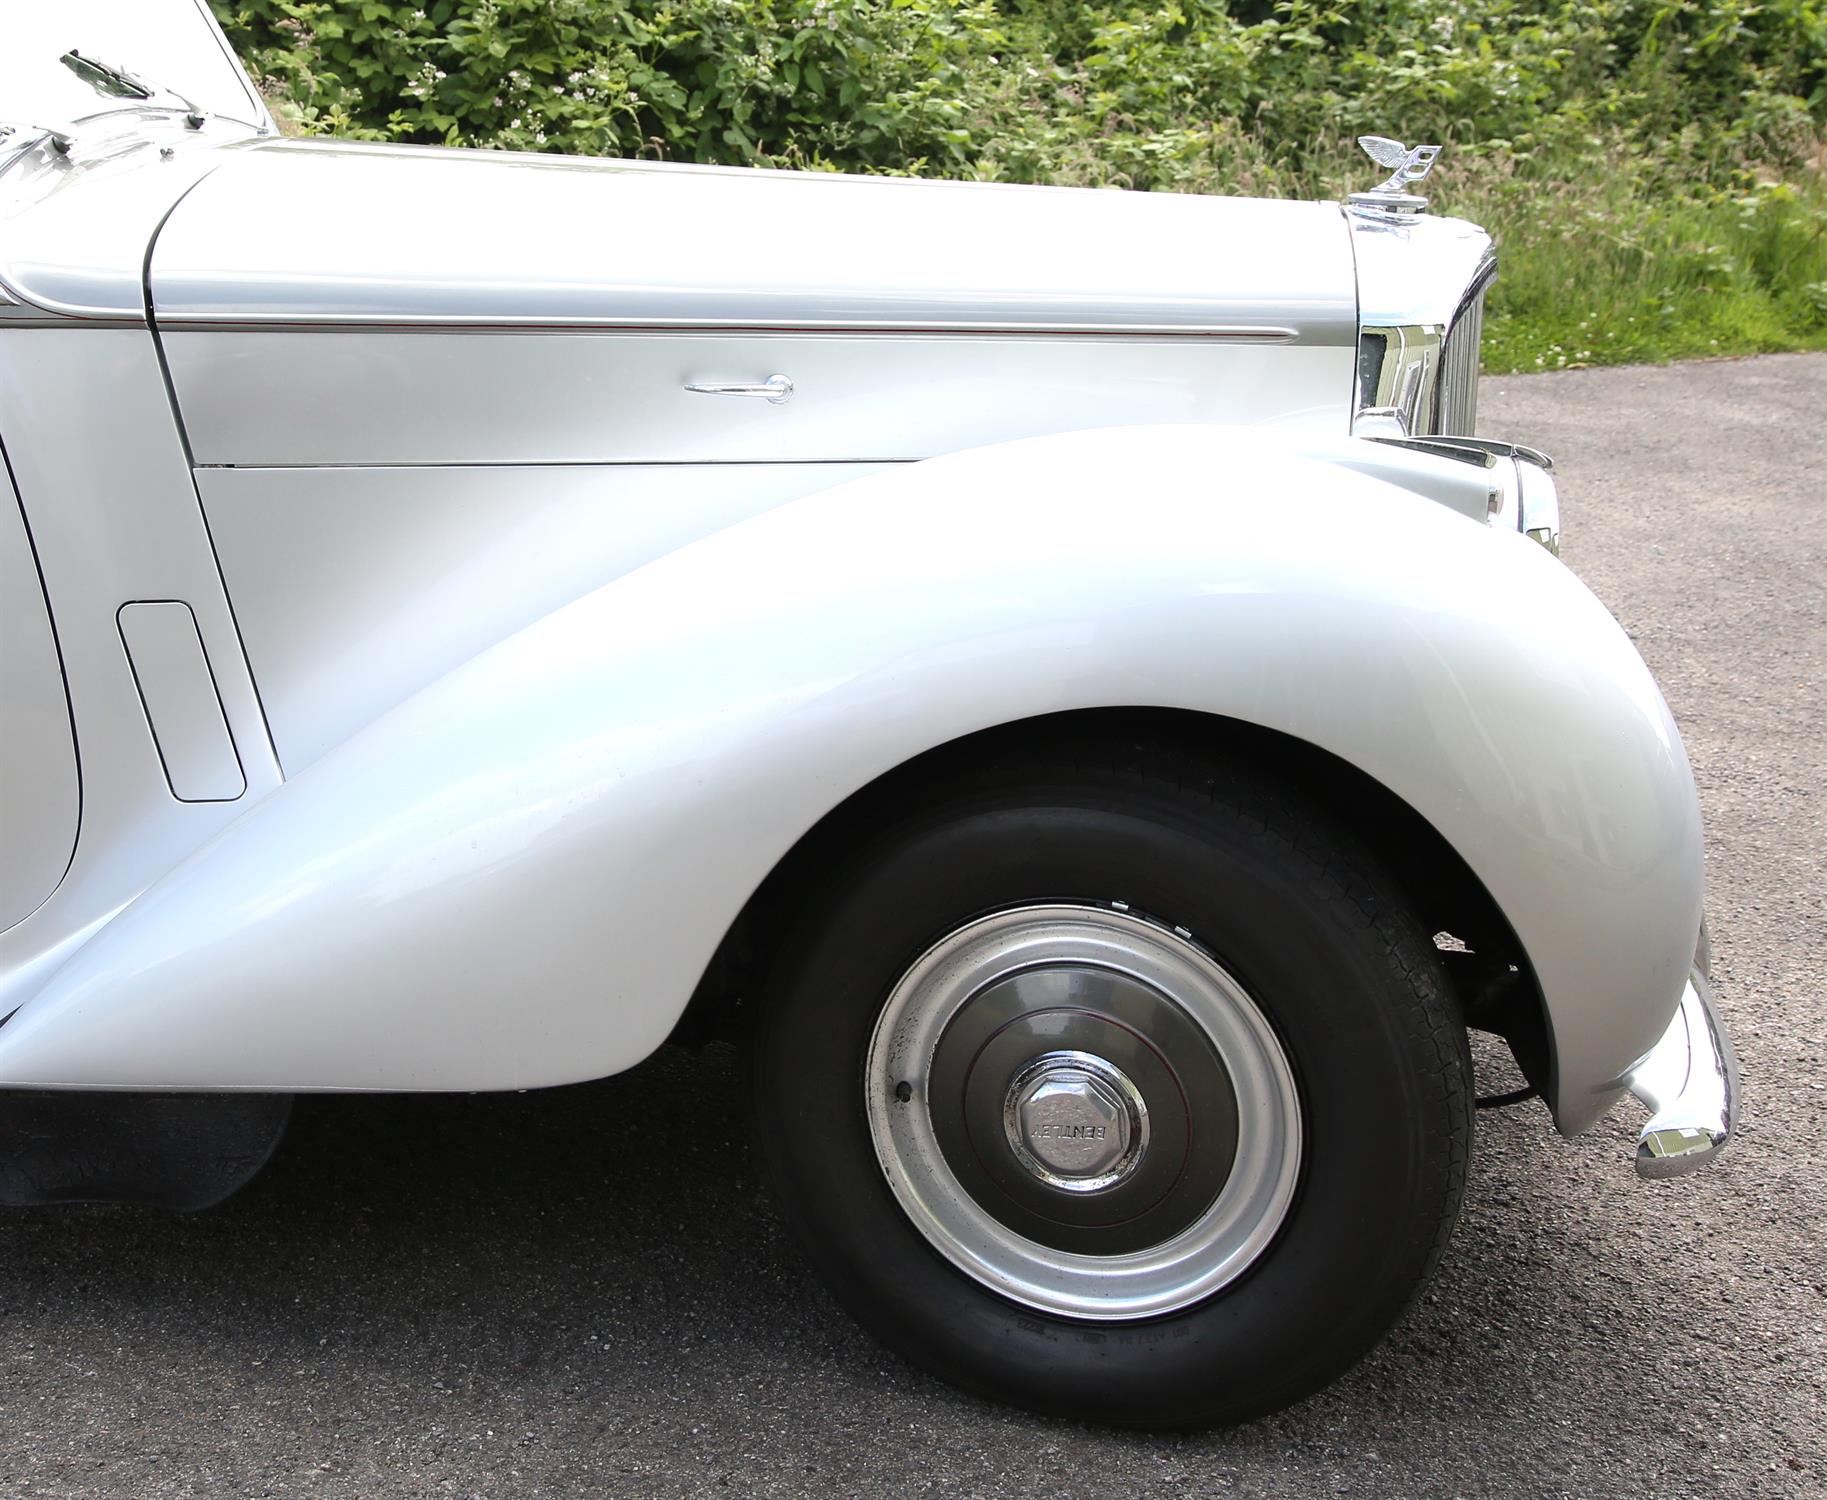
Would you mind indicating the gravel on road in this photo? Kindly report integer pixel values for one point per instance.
(586, 1291)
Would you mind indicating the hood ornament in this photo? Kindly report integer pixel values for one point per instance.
(1407, 164)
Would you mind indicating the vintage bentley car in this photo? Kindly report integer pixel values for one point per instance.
(1050, 673)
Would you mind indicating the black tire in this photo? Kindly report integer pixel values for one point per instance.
(1343, 972)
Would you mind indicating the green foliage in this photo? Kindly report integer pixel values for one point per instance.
(1620, 273)
(1652, 168)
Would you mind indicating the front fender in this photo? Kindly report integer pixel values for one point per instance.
(517, 877)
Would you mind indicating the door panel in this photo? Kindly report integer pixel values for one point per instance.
(39, 793)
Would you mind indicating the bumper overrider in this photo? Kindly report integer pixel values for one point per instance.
(1689, 1082)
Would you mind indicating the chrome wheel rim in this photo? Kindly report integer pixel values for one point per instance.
(1080, 1109)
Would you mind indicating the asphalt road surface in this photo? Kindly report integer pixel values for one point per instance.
(587, 1292)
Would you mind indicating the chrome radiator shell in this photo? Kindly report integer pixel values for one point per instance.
(1421, 289)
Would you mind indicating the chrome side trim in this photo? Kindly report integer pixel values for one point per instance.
(22, 315)
(1471, 450)
(336, 323)
(1689, 1081)
(263, 121)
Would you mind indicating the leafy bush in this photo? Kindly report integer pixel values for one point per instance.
(1653, 167)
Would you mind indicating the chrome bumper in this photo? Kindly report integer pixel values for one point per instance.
(1689, 1081)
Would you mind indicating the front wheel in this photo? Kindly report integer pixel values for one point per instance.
(1119, 1088)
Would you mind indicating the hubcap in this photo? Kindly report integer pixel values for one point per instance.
(1079, 1108)
(1075, 1121)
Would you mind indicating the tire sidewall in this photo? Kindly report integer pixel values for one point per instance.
(1362, 1230)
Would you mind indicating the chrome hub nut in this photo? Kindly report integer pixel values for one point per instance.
(1075, 1121)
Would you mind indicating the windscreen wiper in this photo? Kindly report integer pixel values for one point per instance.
(118, 83)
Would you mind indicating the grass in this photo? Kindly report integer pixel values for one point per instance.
(1615, 271)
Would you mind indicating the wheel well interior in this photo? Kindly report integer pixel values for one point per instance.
(1483, 959)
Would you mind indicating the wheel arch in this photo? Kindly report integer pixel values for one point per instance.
(1494, 981)
(518, 877)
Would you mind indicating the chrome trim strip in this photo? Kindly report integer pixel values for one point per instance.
(331, 323)
(558, 463)
(1690, 1081)
(1471, 450)
(263, 122)
(31, 317)
(17, 310)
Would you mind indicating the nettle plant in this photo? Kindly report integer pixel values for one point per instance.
(867, 85)
(1149, 95)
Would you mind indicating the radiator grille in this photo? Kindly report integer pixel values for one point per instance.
(1456, 411)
